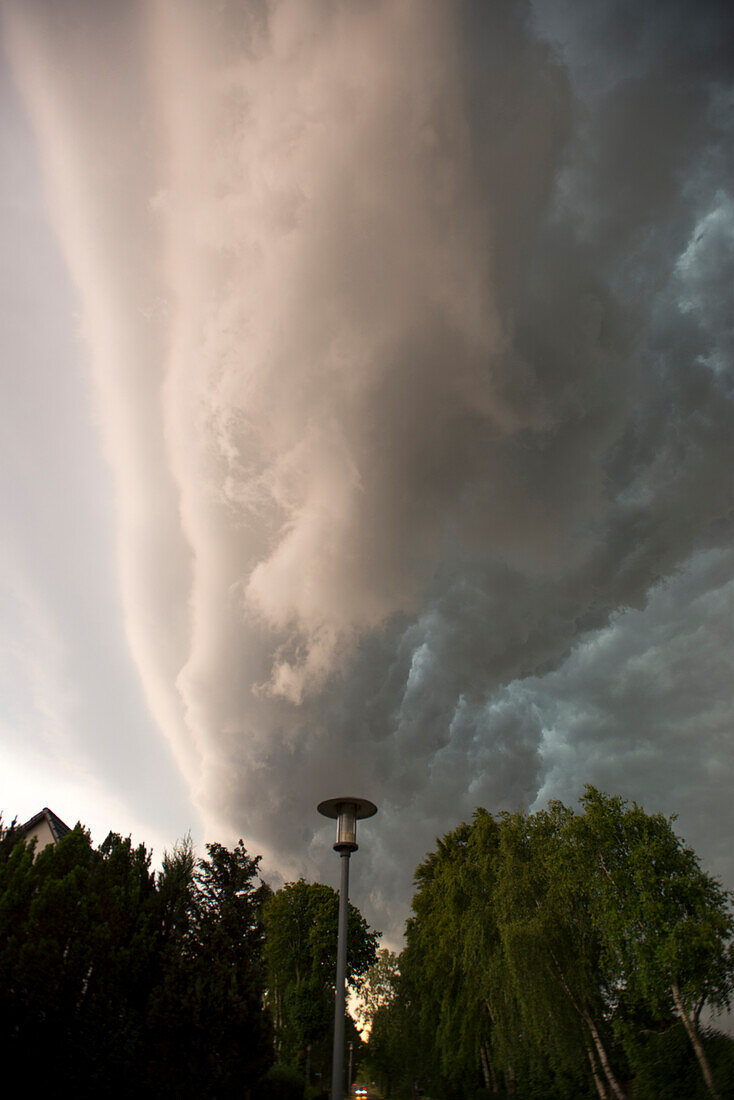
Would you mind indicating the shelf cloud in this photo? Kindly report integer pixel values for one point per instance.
(411, 334)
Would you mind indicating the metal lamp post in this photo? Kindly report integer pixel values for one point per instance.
(347, 812)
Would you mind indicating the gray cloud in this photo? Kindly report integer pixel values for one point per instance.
(412, 338)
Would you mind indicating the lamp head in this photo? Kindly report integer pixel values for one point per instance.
(347, 812)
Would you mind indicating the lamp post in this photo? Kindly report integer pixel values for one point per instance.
(347, 812)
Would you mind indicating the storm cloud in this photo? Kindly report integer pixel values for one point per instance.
(411, 331)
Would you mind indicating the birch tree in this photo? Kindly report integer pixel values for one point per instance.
(547, 951)
(552, 949)
(666, 926)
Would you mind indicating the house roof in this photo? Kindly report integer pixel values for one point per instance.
(58, 827)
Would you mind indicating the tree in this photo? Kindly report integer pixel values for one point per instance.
(392, 1051)
(559, 950)
(380, 985)
(442, 981)
(212, 1036)
(300, 955)
(127, 981)
(666, 926)
(551, 949)
(78, 944)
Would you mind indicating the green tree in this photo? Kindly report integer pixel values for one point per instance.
(665, 925)
(392, 1050)
(211, 1035)
(551, 949)
(447, 1005)
(78, 944)
(553, 953)
(481, 997)
(380, 985)
(300, 955)
(121, 979)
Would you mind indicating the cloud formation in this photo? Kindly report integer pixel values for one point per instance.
(411, 331)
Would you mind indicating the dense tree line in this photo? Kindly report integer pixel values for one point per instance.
(560, 955)
(189, 982)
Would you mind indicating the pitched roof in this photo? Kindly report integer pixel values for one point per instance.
(58, 827)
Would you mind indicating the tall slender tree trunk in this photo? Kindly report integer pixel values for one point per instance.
(489, 1009)
(694, 1036)
(493, 1075)
(485, 1067)
(588, 1020)
(490, 1077)
(601, 1088)
(608, 1071)
(495, 1083)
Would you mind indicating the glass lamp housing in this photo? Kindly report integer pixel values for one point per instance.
(347, 812)
(346, 828)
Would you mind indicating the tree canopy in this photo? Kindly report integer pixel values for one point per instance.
(163, 984)
(300, 955)
(152, 982)
(565, 954)
(560, 954)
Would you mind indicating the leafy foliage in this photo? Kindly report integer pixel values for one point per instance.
(380, 985)
(300, 954)
(280, 1083)
(155, 984)
(207, 1023)
(556, 954)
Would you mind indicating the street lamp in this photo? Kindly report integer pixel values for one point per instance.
(347, 811)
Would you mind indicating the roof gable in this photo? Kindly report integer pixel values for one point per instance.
(58, 827)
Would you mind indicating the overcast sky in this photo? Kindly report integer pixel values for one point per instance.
(367, 418)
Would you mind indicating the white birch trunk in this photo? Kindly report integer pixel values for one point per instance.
(696, 1043)
(600, 1086)
(608, 1071)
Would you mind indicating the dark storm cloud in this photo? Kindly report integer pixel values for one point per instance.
(438, 341)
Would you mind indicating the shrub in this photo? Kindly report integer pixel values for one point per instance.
(280, 1083)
